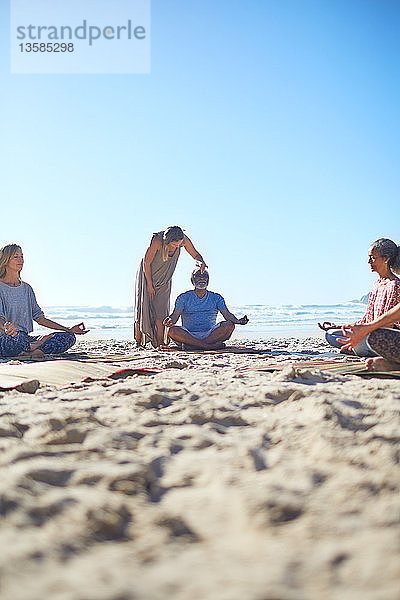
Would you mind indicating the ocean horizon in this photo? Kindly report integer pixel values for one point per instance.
(265, 321)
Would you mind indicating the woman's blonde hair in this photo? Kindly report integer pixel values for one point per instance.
(171, 234)
(6, 253)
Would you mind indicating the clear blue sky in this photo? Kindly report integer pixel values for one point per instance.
(268, 129)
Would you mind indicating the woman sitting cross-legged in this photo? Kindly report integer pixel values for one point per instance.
(383, 340)
(384, 259)
(18, 310)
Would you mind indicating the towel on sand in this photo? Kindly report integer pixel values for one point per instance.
(61, 373)
(340, 367)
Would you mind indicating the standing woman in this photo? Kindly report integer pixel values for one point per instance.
(18, 310)
(153, 283)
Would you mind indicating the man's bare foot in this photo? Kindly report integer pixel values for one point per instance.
(35, 355)
(381, 364)
(42, 339)
(218, 346)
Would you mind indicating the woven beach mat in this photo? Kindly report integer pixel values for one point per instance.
(59, 373)
(343, 367)
(101, 358)
(226, 350)
(77, 356)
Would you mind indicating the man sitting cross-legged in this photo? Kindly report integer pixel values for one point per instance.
(198, 310)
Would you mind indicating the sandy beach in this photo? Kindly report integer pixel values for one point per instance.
(208, 481)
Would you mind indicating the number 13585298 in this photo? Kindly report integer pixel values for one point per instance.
(46, 47)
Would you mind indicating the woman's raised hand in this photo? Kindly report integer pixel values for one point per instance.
(79, 329)
(326, 325)
(10, 330)
(202, 266)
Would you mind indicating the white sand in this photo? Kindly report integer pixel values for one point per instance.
(205, 482)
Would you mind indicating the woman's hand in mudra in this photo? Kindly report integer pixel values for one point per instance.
(326, 325)
(78, 329)
(353, 334)
(10, 330)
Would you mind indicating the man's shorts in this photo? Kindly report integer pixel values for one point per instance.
(201, 335)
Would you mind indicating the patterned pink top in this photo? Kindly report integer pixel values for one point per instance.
(384, 296)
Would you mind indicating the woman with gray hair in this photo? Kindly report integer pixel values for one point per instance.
(153, 283)
(384, 259)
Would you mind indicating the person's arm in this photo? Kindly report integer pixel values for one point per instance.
(77, 329)
(39, 316)
(359, 331)
(228, 316)
(178, 310)
(190, 249)
(155, 245)
(172, 319)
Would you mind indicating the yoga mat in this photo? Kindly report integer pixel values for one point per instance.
(77, 356)
(63, 373)
(227, 350)
(350, 367)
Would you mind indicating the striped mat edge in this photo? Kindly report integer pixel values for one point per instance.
(339, 367)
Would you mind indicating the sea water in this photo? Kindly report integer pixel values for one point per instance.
(265, 321)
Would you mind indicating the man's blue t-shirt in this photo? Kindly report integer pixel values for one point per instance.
(199, 314)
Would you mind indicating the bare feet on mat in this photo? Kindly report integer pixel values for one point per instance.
(219, 346)
(381, 364)
(33, 355)
(42, 339)
(138, 335)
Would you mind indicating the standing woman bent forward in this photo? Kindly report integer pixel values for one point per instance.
(153, 283)
(18, 310)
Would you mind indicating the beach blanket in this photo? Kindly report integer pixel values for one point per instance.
(57, 372)
(226, 350)
(78, 356)
(102, 358)
(348, 367)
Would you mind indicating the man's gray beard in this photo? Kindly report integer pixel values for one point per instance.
(201, 286)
